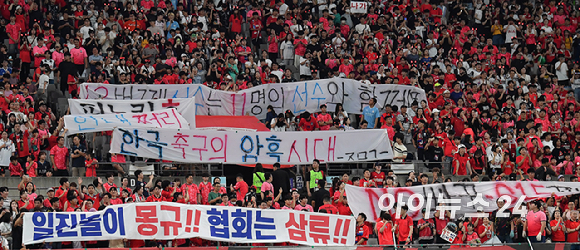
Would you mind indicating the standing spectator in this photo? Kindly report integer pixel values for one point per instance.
(318, 195)
(7, 149)
(241, 187)
(79, 57)
(59, 158)
(362, 232)
(371, 114)
(192, 189)
(404, 227)
(78, 158)
(536, 223)
(13, 31)
(314, 176)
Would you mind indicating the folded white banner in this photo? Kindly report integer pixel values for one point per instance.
(464, 197)
(296, 97)
(166, 118)
(239, 147)
(184, 106)
(169, 221)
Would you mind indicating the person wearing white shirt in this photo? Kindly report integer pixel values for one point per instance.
(43, 81)
(283, 8)
(510, 31)
(362, 26)
(562, 71)
(305, 65)
(86, 28)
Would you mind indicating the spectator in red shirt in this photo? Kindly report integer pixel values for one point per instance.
(378, 176)
(404, 227)
(59, 158)
(324, 119)
(328, 207)
(156, 195)
(308, 122)
(362, 230)
(241, 187)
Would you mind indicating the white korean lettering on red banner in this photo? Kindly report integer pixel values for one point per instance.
(168, 221)
(185, 107)
(463, 197)
(243, 147)
(296, 97)
(166, 118)
(358, 7)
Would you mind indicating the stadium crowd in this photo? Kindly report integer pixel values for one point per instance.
(502, 80)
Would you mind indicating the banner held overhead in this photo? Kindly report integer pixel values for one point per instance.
(242, 147)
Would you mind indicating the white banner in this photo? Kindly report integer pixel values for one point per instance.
(358, 7)
(166, 118)
(465, 197)
(184, 106)
(296, 97)
(168, 221)
(239, 147)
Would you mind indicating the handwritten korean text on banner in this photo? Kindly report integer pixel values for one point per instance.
(167, 221)
(462, 195)
(184, 106)
(239, 147)
(166, 118)
(296, 97)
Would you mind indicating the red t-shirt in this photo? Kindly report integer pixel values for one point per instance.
(386, 237)
(558, 234)
(403, 228)
(378, 178)
(329, 209)
(241, 188)
(362, 232)
(308, 125)
(572, 237)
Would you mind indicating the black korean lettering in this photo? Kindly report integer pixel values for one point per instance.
(374, 151)
(209, 99)
(361, 156)
(144, 91)
(256, 110)
(273, 95)
(153, 96)
(112, 110)
(258, 96)
(138, 108)
(88, 108)
(350, 156)
(120, 93)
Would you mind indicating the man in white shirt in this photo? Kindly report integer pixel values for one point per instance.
(305, 72)
(86, 28)
(362, 26)
(282, 7)
(43, 81)
(562, 71)
(510, 31)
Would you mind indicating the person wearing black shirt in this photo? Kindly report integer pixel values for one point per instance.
(434, 153)
(66, 68)
(318, 195)
(281, 179)
(65, 26)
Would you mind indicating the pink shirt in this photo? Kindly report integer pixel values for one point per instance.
(307, 207)
(267, 186)
(535, 222)
(38, 50)
(78, 55)
(57, 57)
